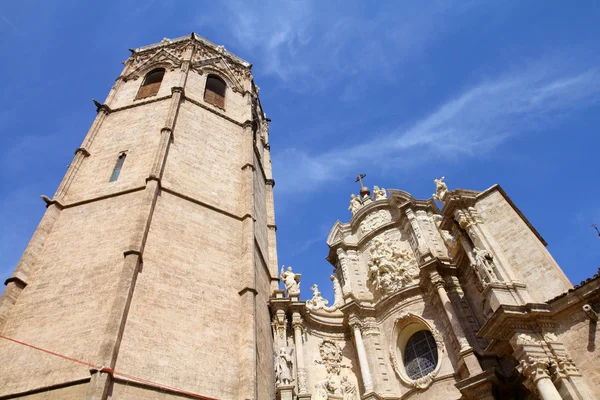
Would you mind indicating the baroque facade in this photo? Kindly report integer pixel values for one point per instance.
(462, 302)
(154, 273)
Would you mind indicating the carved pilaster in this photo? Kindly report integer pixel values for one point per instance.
(345, 272)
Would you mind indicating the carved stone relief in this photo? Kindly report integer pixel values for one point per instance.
(331, 357)
(390, 268)
(374, 220)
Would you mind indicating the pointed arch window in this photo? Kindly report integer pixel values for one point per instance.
(215, 91)
(151, 83)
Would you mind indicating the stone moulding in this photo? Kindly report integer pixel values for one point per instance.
(405, 325)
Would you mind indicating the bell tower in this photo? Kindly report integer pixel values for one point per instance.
(152, 267)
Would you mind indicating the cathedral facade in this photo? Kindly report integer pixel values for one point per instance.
(154, 275)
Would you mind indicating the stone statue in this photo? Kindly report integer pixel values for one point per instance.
(291, 281)
(317, 302)
(484, 265)
(283, 368)
(348, 389)
(324, 388)
(355, 204)
(440, 189)
(379, 194)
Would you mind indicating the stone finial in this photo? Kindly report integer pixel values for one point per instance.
(317, 302)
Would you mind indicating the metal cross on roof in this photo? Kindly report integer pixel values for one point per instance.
(359, 178)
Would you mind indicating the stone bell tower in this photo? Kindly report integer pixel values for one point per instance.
(151, 269)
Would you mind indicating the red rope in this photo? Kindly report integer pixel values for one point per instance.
(111, 371)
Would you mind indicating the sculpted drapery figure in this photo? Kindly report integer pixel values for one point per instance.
(291, 281)
(283, 368)
(389, 268)
(348, 389)
(324, 388)
(440, 189)
(355, 204)
(484, 265)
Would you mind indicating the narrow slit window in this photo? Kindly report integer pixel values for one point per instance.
(151, 83)
(118, 167)
(215, 91)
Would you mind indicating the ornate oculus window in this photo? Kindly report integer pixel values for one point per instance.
(420, 355)
(215, 91)
(151, 83)
(416, 359)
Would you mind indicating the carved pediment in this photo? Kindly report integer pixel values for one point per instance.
(145, 61)
(336, 234)
(206, 59)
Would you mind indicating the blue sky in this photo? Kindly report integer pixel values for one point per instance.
(481, 92)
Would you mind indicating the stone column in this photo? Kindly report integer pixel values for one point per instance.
(536, 372)
(466, 354)
(362, 357)
(301, 370)
(457, 329)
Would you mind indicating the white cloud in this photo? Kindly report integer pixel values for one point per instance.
(474, 122)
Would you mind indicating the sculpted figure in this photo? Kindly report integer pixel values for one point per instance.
(355, 204)
(379, 194)
(291, 281)
(484, 264)
(440, 189)
(317, 302)
(324, 388)
(283, 368)
(348, 389)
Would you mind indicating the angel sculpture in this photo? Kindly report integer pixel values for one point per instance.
(291, 281)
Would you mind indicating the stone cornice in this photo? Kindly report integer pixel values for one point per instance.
(508, 319)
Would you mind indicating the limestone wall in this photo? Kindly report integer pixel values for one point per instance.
(66, 306)
(526, 254)
(128, 130)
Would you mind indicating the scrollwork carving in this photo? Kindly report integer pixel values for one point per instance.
(374, 220)
(331, 357)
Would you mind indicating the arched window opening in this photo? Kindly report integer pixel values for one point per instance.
(118, 166)
(420, 355)
(215, 91)
(151, 83)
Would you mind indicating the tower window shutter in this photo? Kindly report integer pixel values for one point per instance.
(151, 83)
(215, 91)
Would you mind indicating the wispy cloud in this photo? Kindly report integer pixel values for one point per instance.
(473, 122)
(325, 42)
(7, 21)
